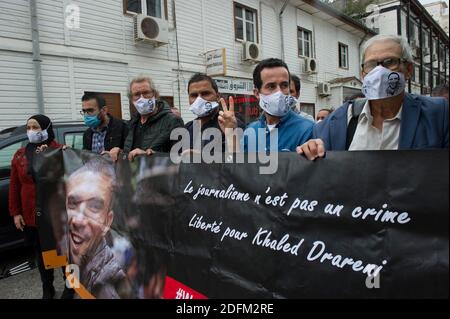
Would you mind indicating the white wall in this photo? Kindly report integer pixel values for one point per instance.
(101, 55)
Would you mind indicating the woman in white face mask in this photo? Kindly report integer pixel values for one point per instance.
(22, 190)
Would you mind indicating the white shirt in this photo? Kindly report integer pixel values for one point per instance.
(271, 127)
(368, 137)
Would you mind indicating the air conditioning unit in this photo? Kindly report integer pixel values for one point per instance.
(310, 65)
(151, 30)
(251, 52)
(323, 89)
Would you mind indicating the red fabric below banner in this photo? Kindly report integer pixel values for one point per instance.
(176, 290)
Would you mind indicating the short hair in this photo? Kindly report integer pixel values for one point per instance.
(199, 77)
(94, 96)
(297, 82)
(406, 49)
(267, 64)
(140, 79)
(327, 110)
(99, 166)
(440, 90)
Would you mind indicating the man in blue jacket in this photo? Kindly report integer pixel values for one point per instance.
(278, 128)
(388, 118)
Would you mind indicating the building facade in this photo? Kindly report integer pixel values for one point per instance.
(53, 51)
(439, 12)
(426, 37)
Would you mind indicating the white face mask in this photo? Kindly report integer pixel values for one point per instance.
(382, 83)
(292, 102)
(202, 108)
(276, 104)
(36, 137)
(145, 106)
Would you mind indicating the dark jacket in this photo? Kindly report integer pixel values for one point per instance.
(103, 277)
(424, 124)
(116, 132)
(22, 189)
(213, 122)
(156, 131)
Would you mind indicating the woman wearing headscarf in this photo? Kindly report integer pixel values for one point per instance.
(22, 192)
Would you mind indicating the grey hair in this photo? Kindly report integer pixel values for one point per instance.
(406, 49)
(143, 78)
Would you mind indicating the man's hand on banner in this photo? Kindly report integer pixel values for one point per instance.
(137, 151)
(19, 222)
(312, 149)
(113, 153)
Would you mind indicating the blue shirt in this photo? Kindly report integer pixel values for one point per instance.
(98, 140)
(293, 130)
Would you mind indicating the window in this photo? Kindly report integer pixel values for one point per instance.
(74, 140)
(308, 108)
(113, 102)
(415, 75)
(245, 23)
(154, 8)
(304, 42)
(343, 56)
(7, 153)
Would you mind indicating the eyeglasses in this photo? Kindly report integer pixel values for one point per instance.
(88, 112)
(389, 63)
(146, 94)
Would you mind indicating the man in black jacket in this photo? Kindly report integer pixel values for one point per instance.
(149, 130)
(104, 132)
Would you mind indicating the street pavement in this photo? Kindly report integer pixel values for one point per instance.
(26, 285)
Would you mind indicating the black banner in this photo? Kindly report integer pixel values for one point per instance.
(351, 225)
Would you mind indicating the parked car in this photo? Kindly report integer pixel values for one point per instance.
(11, 139)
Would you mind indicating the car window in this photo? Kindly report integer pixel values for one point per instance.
(7, 153)
(74, 140)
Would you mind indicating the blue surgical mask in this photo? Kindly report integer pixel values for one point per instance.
(92, 121)
(276, 104)
(145, 106)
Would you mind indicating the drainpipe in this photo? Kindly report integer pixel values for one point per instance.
(281, 28)
(178, 54)
(36, 56)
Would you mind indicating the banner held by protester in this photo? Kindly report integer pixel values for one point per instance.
(352, 225)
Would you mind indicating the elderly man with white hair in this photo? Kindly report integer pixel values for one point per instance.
(388, 118)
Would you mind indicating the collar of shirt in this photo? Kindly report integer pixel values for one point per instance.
(284, 119)
(367, 114)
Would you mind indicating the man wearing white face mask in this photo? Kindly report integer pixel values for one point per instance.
(389, 118)
(149, 131)
(271, 79)
(204, 103)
